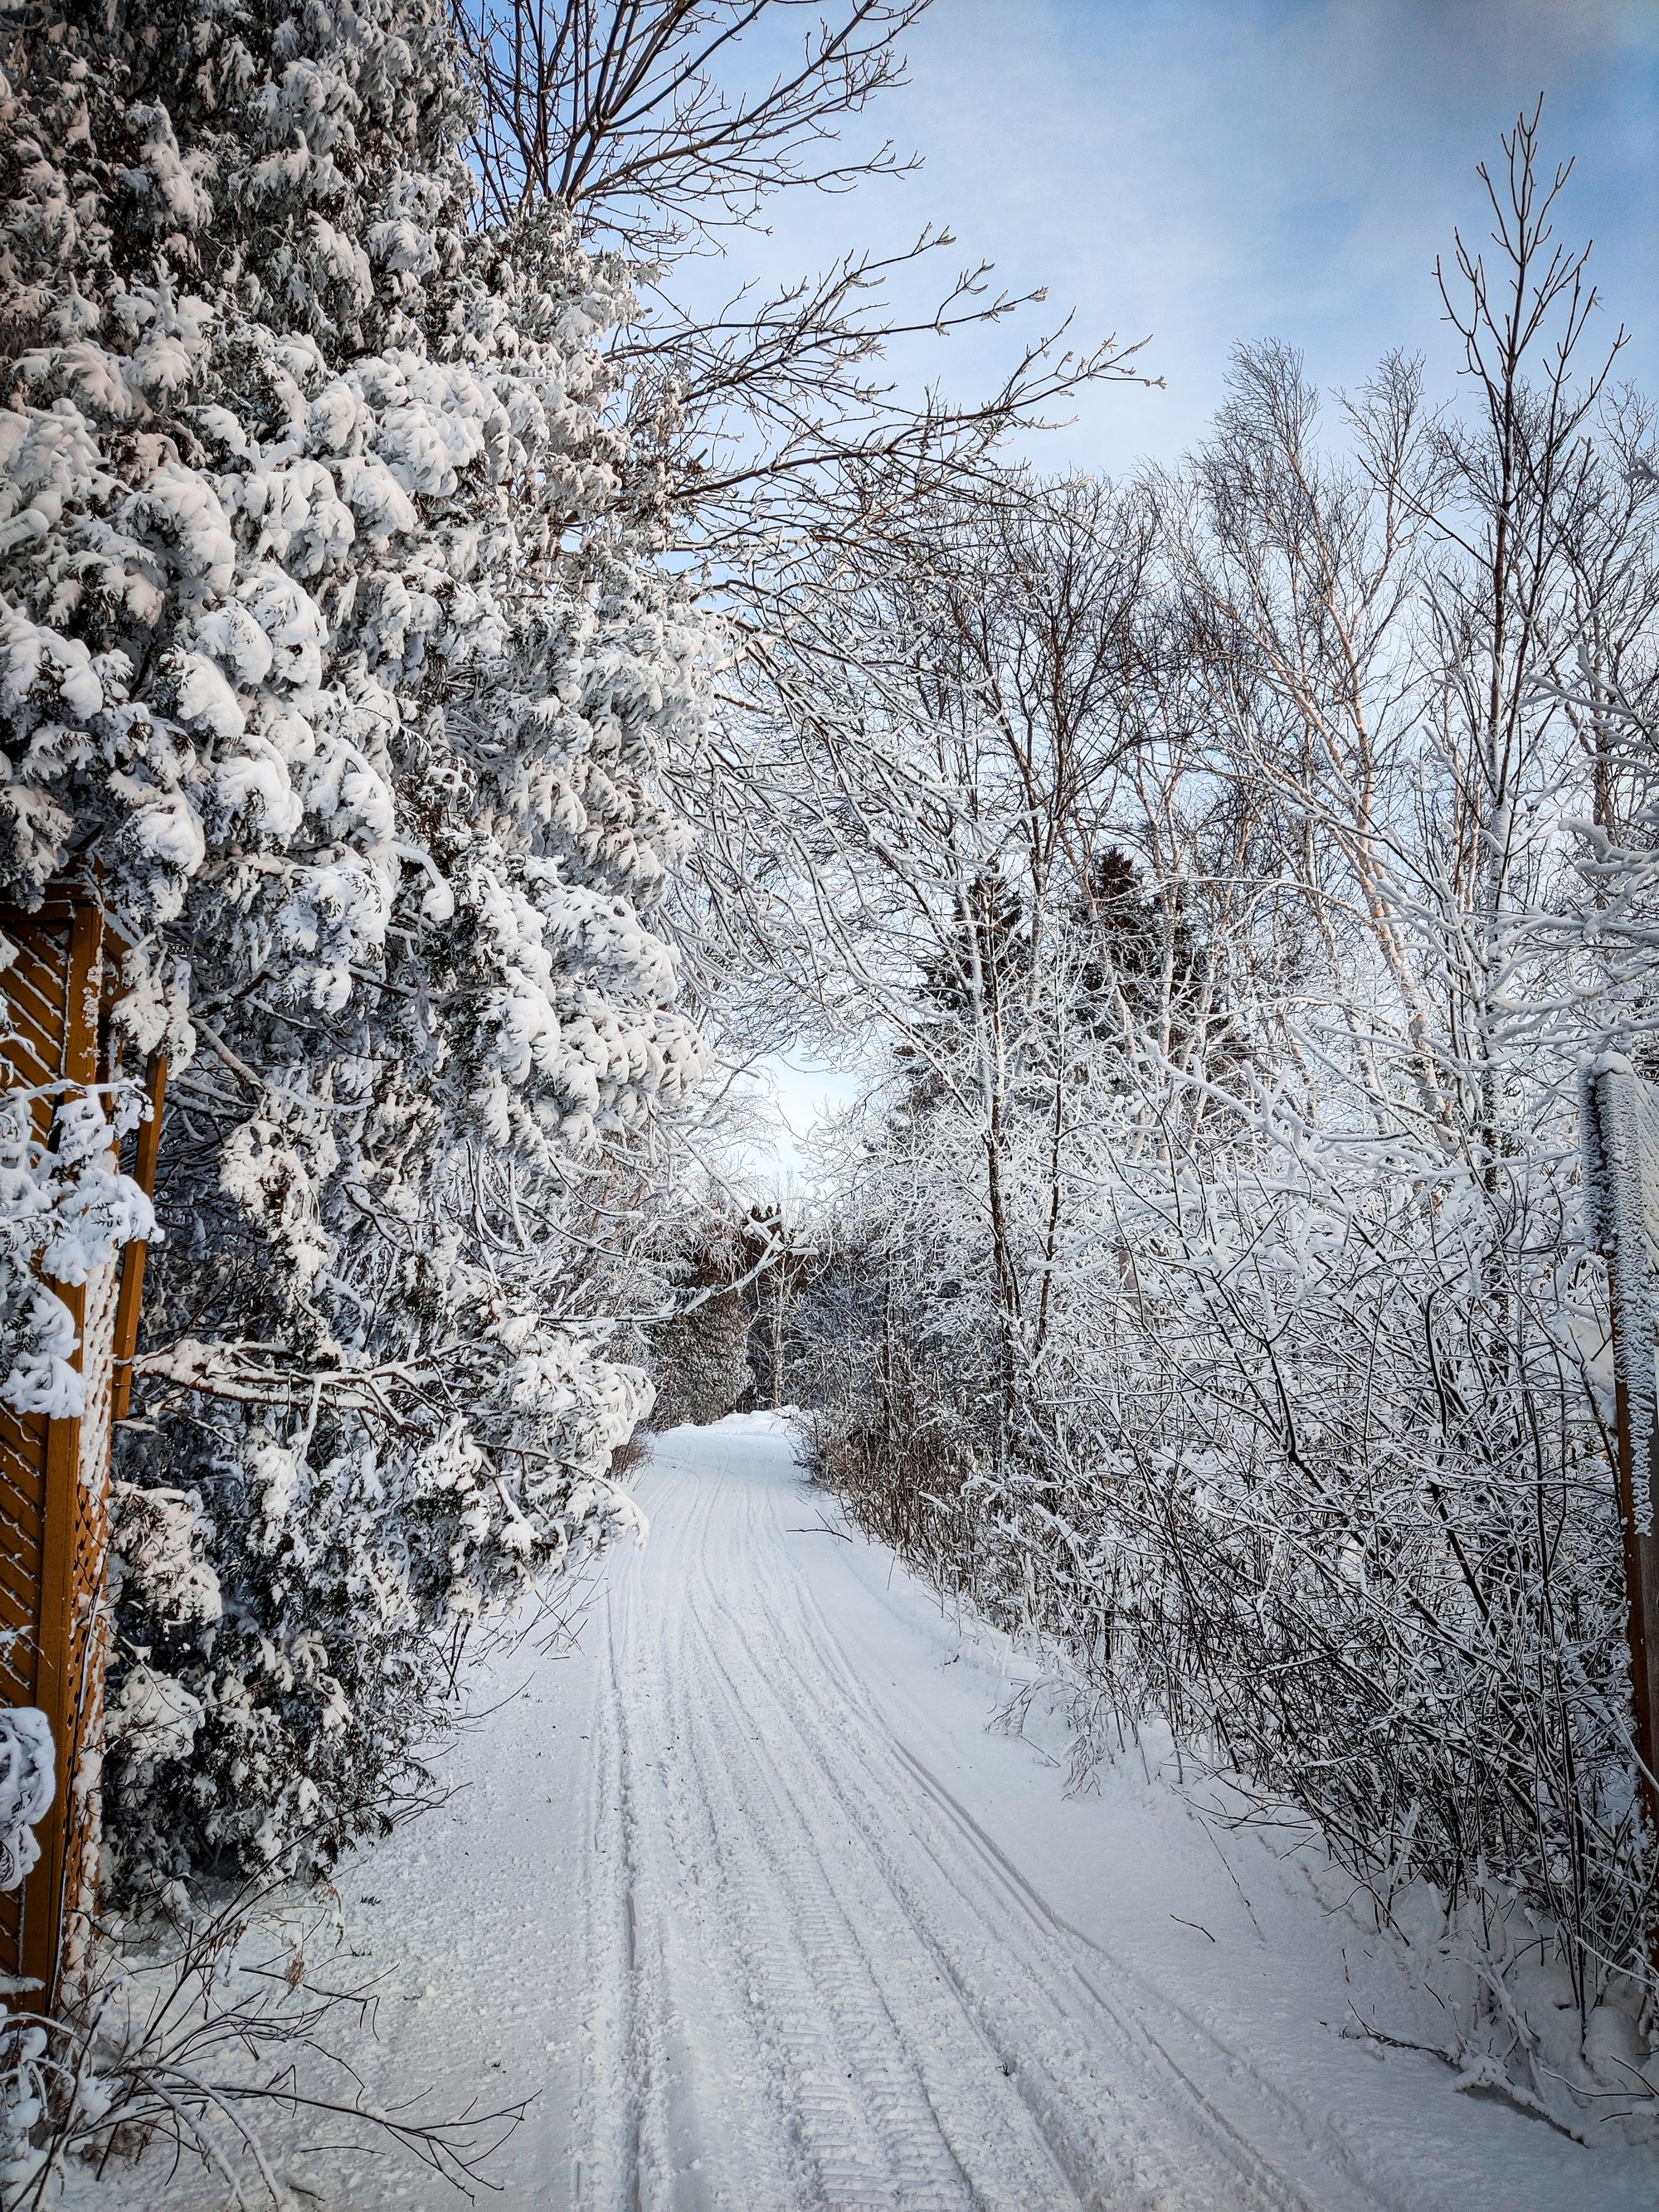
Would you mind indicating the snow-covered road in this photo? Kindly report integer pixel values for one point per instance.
(838, 1989)
(746, 1897)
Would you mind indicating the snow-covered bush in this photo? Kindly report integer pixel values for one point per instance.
(700, 1361)
(332, 648)
(1263, 854)
(65, 1210)
(705, 1258)
(28, 1781)
(1288, 1475)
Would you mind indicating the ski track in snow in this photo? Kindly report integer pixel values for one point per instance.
(840, 1992)
(746, 1899)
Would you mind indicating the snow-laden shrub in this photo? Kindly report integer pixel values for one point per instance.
(1313, 1465)
(697, 1351)
(65, 1210)
(28, 1783)
(330, 645)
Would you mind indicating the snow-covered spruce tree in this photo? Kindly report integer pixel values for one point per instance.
(708, 1257)
(332, 650)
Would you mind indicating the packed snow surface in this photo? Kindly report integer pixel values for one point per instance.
(749, 1898)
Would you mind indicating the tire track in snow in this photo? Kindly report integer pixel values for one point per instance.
(652, 1707)
(844, 2084)
(1032, 1951)
(818, 1981)
(1108, 2129)
(624, 2129)
(858, 1956)
(1238, 2099)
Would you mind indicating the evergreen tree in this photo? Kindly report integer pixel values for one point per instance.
(1140, 962)
(975, 973)
(332, 651)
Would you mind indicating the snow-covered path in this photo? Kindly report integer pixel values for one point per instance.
(839, 1989)
(748, 1899)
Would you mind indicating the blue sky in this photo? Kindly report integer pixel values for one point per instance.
(1212, 171)
(1208, 170)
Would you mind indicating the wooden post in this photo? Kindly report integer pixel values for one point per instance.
(144, 1163)
(1622, 1147)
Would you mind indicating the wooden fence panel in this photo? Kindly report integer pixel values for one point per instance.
(54, 1474)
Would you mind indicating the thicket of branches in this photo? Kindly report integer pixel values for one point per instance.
(1233, 871)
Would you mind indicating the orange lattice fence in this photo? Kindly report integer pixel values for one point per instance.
(55, 1474)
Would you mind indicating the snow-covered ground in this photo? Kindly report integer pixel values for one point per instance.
(748, 1898)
